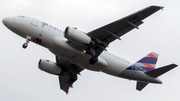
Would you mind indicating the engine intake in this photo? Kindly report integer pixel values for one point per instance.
(49, 67)
(77, 36)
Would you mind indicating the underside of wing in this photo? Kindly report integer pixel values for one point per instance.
(114, 30)
(122, 26)
(68, 74)
(64, 85)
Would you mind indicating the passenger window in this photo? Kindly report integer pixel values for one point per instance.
(21, 16)
(34, 22)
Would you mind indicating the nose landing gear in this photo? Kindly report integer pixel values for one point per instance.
(94, 58)
(25, 45)
(28, 38)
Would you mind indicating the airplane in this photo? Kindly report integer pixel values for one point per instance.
(76, 50)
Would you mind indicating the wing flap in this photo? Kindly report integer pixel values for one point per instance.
(123, 31)
(64, 84)
(68, 75)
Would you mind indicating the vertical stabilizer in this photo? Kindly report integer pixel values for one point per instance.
(148, 62)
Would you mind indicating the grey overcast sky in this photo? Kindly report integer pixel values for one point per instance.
(21, 80)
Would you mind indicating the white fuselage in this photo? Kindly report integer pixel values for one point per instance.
(53, 38)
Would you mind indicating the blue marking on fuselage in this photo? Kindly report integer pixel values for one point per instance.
(139, 68)
(147, 69)
(50, 26)
(44, 24)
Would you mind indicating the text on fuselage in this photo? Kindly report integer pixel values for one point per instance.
(50, 26)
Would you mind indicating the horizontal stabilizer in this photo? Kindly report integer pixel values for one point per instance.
(159, 71)
(141, 85)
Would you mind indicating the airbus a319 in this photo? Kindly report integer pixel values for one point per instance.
(76, 50)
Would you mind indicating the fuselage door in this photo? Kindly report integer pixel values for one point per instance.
(34, 22)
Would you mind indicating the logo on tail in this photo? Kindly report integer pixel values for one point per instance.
(145, 64)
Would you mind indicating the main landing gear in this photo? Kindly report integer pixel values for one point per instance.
(28, 38)
(93, 59)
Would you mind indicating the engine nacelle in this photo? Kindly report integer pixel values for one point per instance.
(49, 67)
(77, 36)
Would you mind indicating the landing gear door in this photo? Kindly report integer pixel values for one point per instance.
(34, 22)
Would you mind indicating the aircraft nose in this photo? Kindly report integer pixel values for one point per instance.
(5, 21)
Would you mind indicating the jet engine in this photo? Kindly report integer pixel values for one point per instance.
(49, 67)
(77, 36)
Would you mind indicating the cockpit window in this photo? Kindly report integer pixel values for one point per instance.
(21, 16)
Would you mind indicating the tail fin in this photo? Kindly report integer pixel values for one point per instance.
(148, 62)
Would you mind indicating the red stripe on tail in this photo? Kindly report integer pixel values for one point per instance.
(151, 55)
(148, 65)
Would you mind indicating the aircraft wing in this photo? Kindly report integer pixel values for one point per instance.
(68, 74)
(108, 33)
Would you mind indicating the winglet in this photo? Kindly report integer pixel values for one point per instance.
(67, 93)
(162, 7)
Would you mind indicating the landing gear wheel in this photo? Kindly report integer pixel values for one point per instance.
(28, 38)
(25, 45)
(93, 60)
